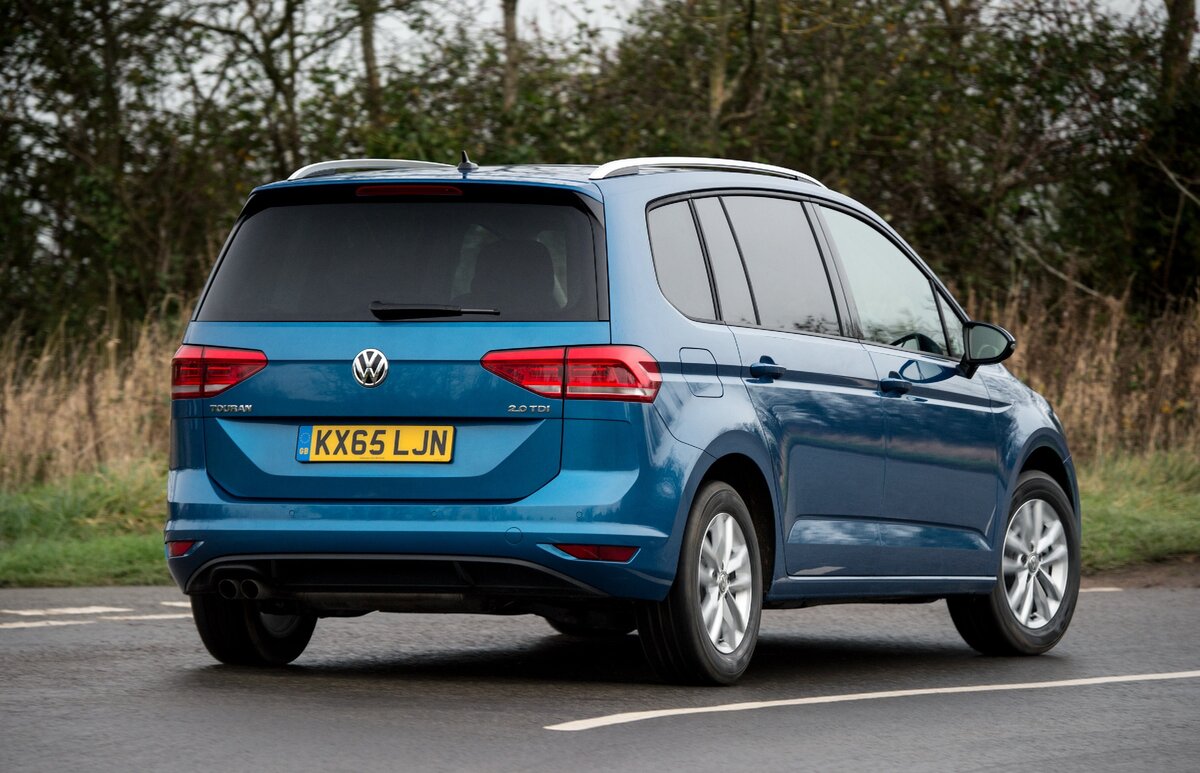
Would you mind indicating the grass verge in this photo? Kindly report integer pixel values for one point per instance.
(100, 528)
(1140, 509)
(104, 528)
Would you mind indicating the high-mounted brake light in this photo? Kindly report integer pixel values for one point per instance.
(408, 190)
(204, 371)
(625, 373)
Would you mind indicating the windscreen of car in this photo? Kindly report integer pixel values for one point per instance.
(328, 255)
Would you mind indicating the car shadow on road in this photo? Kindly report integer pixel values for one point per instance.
(780, 659)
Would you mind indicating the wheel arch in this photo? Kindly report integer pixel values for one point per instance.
(740, 460)
(1044, 454)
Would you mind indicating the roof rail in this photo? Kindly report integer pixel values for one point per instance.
(344, 164)
(626, 166)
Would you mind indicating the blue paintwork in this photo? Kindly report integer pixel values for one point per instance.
(873, 494)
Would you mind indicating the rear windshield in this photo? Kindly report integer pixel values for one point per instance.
(326, 255)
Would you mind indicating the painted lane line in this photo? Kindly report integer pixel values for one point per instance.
(638, 716)
(45, 623)
(1100, 590)
(146, 617)
(63, 611)
(186, 604)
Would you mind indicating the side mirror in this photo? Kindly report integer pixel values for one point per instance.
(985, 345)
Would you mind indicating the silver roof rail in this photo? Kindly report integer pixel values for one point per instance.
(344, 164)
(626, 166)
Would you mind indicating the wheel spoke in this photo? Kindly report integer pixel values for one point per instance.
(735, 618)
(738, 559)
(708, 556)
(1038, 509)
(1041, 603)
(1048, 585)
(1012, 566)
(711, 614)
(741, 581)
(727, 545)
(1017, 594)
(1026, 604)
(1051, 537)
(1013, 542)
(1058, 554)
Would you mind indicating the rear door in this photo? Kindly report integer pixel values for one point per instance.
(297, 283)
(814, 390)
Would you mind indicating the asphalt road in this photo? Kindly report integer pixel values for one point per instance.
(431, 692)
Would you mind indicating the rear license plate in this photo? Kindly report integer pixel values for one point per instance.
(371, 443)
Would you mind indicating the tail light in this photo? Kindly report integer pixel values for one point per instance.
(205, 371)
(626, 373)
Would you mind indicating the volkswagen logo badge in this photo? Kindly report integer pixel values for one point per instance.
(370, 368)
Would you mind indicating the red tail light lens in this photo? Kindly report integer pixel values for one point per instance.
(612, 373)
(617, 553)
(538, 370)
(204, 371)
(580, 372)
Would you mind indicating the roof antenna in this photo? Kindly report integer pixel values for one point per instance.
(466, 165)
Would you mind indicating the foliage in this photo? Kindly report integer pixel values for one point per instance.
(1003, 138)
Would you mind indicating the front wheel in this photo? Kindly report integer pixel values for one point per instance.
(1031, 605)
(240, 633)
(706, 629)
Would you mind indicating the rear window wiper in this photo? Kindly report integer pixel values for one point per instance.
(390, 311)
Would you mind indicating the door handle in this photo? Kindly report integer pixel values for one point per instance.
(766, 368)
(895, 385)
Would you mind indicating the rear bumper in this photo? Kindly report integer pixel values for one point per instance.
(638, 507)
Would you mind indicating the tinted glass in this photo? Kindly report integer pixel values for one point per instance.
(954, 330)
(678, 260)
(894, 298)
(786, 271)
(328, 261)
(732, 290)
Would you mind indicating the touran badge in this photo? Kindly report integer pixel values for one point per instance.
(370, 368)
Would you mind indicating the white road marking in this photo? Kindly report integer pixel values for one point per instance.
(45, 623)
(186, 604)
(63, 611)
(1100, 590)
(145, 617)
(638, 716)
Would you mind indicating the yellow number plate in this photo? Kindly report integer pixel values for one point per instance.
(359, 443)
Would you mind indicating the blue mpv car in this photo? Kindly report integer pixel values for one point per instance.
(660, 394)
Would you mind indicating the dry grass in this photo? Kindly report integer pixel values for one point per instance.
(73, 407)
(1119, 385)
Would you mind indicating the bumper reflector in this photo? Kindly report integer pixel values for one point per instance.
(616, 553)
(178, 548)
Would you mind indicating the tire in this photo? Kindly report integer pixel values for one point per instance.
(990, 623)
(594, 625)
(239, 633)
(673, 632)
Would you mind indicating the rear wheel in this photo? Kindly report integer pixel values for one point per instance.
(241, 633)
(706, 629)
(1031, 605)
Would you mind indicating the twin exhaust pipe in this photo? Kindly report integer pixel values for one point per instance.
(241, 590)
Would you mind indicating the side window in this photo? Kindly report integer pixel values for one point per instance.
(954, 331)
(733, 292)
(678, 260)
(787, 275)
(894, 298)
